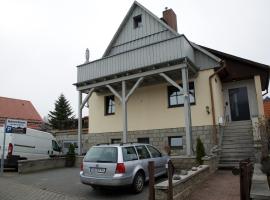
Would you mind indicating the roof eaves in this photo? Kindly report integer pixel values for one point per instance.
(264, 66)
(211, 55)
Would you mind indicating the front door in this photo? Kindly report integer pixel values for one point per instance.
(239, 105)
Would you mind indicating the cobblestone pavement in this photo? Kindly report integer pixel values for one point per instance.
(222, 185)
(63, 183)
(12, 190)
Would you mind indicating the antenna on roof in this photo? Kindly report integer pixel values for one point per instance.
(87, 55)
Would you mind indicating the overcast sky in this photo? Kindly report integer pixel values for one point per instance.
(42, 41)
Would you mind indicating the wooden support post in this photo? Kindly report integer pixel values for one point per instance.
(151, 170)
(79, 123)
(170, 185)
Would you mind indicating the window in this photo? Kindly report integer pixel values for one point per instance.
(55, 146)
(116, 141)
(176, 142)
(137, 21)
(109, 105)
(154, 152)
(176, 99)
(101, 155)
(142, 152)
(129, 154)
(144, 140)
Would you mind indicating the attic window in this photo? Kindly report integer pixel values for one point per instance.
(137, 21)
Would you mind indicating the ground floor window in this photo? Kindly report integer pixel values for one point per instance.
(116, 141)
(175, 142)
(144, 140)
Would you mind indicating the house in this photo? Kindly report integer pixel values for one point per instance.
(266, 105)
(19, 109)
(153, 85)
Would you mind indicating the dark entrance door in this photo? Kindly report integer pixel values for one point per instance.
(239, 104)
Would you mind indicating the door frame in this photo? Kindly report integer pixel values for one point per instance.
(251, 93)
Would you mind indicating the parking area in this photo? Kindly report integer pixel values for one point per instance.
(61, 183)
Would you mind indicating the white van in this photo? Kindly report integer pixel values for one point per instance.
(33, 144)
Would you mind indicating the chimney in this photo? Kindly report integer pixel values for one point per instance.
(170, 18)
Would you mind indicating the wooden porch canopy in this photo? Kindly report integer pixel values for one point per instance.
(171, 60)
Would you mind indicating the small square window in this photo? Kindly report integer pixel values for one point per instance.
(176, 142)
(137, 21)
(116, 141)
(109, 105)
(144, 140)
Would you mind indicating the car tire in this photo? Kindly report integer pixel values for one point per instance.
(138, 183)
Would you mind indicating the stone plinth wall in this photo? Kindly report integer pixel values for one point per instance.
(212, 162)
(28, 166)
(183, 162)
(183, 188)
(157, 137)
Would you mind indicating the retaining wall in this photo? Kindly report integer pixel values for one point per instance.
(157, 137)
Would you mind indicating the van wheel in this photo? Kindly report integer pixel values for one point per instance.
(138, 183)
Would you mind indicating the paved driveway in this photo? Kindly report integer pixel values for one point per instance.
(66, 181)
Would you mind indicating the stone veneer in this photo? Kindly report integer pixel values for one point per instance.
(157, 137)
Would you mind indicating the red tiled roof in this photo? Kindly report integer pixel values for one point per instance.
(18, 109)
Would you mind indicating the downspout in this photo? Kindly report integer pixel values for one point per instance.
(212, 101)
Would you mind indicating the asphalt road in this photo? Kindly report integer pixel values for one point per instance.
(66, 181)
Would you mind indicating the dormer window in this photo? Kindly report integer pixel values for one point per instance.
(137, 21)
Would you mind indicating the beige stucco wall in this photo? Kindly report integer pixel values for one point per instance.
(218, 98)
(148, 108)
(259, 97)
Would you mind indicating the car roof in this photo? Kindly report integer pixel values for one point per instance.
(118, 145)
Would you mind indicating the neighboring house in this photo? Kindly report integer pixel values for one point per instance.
(19, 109)
(149, 63)
(266, 104)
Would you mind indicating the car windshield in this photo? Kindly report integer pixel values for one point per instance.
(102, 155)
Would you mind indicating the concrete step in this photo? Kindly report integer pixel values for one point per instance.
(237, 146)
(238, 130)
(235, 150)
(238, 137)
(244, 122)
(235, 156)
(237, 134)
(236, 142)
(235, 159)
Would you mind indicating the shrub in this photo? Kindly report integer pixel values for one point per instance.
(71, 150)
(200, 152)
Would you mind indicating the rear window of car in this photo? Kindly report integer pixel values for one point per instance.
(129, 153)
(101, 155)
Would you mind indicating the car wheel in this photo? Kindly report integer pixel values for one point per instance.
(94, 187)
(138, 183)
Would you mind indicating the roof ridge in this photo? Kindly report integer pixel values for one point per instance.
(15, 99)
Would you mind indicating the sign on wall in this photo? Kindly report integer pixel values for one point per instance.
(16, 126)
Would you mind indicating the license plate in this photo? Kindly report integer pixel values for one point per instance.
(101, 170)
(98, 170)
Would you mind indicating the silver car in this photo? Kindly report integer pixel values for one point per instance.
(121, 165)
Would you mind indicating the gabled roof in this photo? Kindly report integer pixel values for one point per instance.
(126, 18)
(18, 109)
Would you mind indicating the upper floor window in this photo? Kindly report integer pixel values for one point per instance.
(109, 105)
(137, 21)
(175, 99)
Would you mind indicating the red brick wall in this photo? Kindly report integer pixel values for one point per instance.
(266, 105)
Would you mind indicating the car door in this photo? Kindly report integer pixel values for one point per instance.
(144, 157)
(160, 163)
